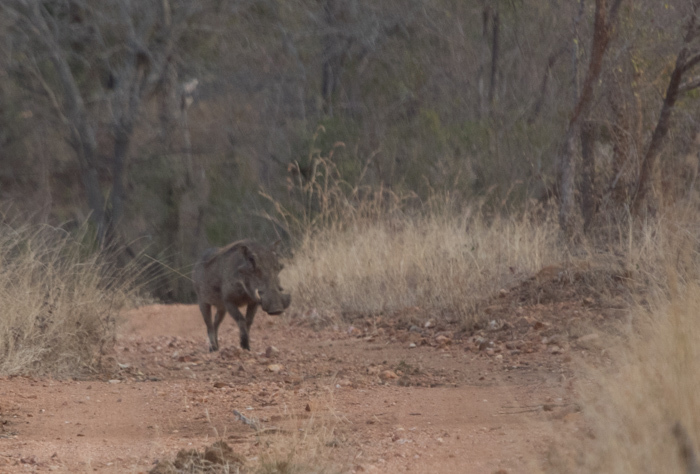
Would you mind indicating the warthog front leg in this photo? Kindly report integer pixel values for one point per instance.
(242, 326)
(212, 327)
(250, 314)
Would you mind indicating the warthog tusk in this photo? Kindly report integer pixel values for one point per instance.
(257, 295)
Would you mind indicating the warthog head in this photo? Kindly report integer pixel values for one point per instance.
(261, 279)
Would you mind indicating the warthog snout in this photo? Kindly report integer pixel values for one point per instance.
(276, 303)
(242, 273)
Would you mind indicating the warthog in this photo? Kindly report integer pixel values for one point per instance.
(243, 272)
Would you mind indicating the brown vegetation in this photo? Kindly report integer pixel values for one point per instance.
(60, 301)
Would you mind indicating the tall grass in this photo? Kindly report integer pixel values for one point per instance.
(643, 406)
(441, 264)
(636, 408)
(59, 302)
(370, 251)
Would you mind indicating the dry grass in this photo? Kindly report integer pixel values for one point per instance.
(654, 384)
(642, 405)
(366, 251)
(59, 303)
(302, 446)
(443, 265)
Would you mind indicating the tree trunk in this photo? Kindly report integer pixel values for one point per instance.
(82, 140)
(494, 59)
(567, 173)
(338, 14)
(588, 200)
(122, 138)
(602, 28)
(645, 202)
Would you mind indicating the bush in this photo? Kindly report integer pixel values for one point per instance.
(60, 300)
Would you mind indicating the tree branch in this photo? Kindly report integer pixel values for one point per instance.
(691, 62)
(48, 91)
(689, 86)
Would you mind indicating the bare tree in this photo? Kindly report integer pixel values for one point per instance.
(604, 23)
(97, 62)
(644, 201)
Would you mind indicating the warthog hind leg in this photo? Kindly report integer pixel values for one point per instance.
(220, 315)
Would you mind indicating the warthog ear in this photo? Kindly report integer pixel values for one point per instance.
(249, 255)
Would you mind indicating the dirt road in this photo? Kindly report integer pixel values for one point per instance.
(368, 398)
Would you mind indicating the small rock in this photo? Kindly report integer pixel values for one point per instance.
(443, 340)
(521, 323)
(429, 324)
(499, 357)
(414, 329)
(230, 353)
(412, 345)
(272, 352)
(482, 343)
(275, 368)
(502, 293)
(115, 381)
(555, 349)
(588, 339)
(388, 375)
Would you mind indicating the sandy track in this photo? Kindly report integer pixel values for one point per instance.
(450, 409)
